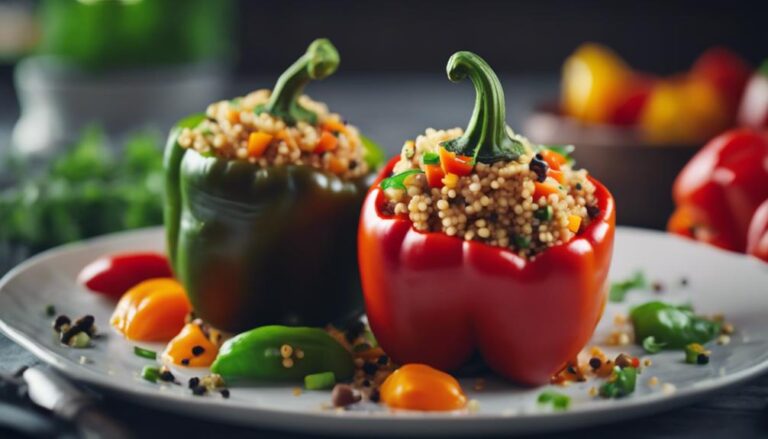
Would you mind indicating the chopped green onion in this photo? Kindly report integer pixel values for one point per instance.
(651, 345)
(320, 381)
(620, 384)
(398, 181)
(50, 310)
(144, 353)
(430, 158)
(559, 401)
(695, 353)
(544, 213)
(150, 373)
(620, 289)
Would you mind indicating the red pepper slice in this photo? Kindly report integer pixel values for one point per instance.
(435, 175)
(455, 164)
(436, 299)
(757, 240)
(113, 275)
(719, 190)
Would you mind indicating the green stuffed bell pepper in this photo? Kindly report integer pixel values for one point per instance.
(263, 194)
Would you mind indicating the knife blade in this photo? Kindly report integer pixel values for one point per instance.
(51, 391)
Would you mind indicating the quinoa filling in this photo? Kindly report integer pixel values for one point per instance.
(234, 130)
(526, 205)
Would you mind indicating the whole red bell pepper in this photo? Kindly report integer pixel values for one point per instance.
(757, 238)
(719, 190)
(436, 299)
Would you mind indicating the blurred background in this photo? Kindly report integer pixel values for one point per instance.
(89, 88)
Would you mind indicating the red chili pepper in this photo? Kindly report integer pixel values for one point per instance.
(436, 299)
(757, 239)
(113, 275)
(719, 190)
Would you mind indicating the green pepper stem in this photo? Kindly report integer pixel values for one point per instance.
(320, 61)
(486, 138)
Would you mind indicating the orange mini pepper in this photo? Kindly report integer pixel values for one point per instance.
(191, 348)
(153, 310)
(420, 387)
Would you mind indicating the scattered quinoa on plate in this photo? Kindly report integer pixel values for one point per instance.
(527, 204)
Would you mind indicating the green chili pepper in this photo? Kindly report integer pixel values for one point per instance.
(398, 181)
(282, 353)
(320, 381)
(486, 138)
(620, 289)
(319, 62)
(259, 245)
(620, 384)
(674, 326)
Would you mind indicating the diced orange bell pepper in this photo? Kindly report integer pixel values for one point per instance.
(435, 175)
(557, 175)
(574, 223)
(327, 142)
(191, 348)
(258, 143)
(455, 164)
(553, 159)
(153, 310)
(337, 166)
(420, 387)
(544, 190)
(334, 126)
(233, 116)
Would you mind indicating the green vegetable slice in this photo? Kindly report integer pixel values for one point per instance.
(558, 400)
(144, 353)
(150, 373)
(620, 289)
(430, 158)
(320, 381)
(398, 181)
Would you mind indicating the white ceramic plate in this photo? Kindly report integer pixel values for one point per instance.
(718, 282)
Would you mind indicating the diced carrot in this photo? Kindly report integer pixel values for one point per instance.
(574, 222)
(450, 180)
(435, 175)
(553, 159)
(334, 126)
(455, 164)
(337, 166)
(233, 116)
(557, 175)
(327, 142)
(257, 143)
(544, 190)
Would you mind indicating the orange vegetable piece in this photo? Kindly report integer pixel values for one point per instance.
(553, 159)
(153, 310)
(435, 175)
(455, 164)
(557, 175)
(420, 387)
(257, 143)
(334, 126)
(327, 142)
(574, 223)
(233, 116)
(337, 166)
(192, 345)
(451, 180)
(544, 190)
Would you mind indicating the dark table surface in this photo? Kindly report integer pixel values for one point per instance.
(397, 108)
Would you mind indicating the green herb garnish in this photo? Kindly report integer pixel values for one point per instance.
(620, 384)
(320, 381)
(150, 373)
(675, 326)
(144, 353)
(430, 158)
(559, 401)
(620, 289)
(398, 181)
(651, 345)
(544, 213)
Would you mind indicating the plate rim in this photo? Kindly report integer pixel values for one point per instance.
(351, 423)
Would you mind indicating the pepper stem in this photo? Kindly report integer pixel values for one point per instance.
(486, 138)
(320, 61)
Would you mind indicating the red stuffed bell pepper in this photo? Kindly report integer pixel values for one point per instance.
(719, 190)
(526, 295)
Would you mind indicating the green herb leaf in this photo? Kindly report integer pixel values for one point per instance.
(559, 401)
(620, 289)
(621, 383)
(430, 158)
(150, 373)
(398, 181)
(651, 345)
(677, 326)
(544, 213)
